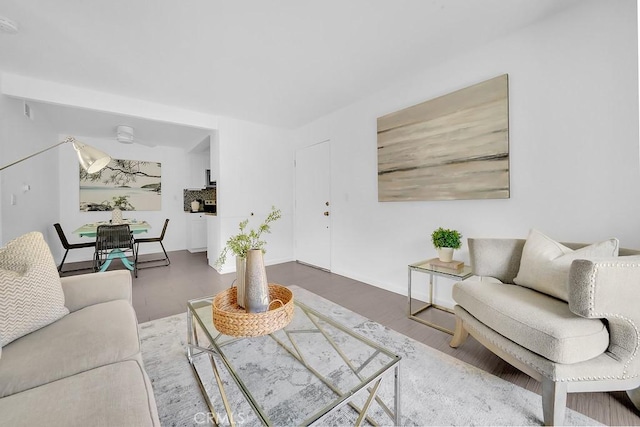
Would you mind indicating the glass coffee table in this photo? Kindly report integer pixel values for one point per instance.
(315, 370)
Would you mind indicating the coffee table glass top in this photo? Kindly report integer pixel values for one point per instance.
(298, 375)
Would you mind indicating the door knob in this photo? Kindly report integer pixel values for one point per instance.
(326, 203)
(326, 213)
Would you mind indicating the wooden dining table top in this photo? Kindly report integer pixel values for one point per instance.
(91, 229)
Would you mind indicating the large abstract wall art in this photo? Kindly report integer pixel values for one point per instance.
(449, 148)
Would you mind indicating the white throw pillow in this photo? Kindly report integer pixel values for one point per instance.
(545, 263)
(31, 294)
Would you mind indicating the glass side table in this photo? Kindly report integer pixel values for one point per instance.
(431, 270)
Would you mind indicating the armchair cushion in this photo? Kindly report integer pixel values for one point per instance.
(531, 319)
(545, 263)
(31, 296)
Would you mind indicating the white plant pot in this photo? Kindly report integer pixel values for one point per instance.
(445, 254)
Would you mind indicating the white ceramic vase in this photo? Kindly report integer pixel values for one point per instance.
(116, 216)
(241, 267)
(256, 287)
(445, 254)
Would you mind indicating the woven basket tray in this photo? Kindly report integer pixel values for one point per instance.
(231, 319)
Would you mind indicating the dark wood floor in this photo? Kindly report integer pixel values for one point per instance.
(163, 291)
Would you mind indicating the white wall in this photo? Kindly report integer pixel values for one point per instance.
(573, 91)
(63, 94)
(175, 178)
(36, 209)
(256, 166)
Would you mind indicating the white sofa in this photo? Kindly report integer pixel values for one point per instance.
(84, 369)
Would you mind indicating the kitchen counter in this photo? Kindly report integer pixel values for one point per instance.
(201, 212)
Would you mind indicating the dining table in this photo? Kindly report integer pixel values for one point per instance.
(91, 230)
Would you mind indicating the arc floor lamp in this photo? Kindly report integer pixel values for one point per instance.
(91, 159)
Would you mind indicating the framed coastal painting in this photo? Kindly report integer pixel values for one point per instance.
(449, 148)
(130, 185)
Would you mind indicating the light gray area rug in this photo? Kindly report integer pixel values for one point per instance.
(436, 389)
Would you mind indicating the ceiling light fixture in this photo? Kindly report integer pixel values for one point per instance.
(124, 134)
(8, 26)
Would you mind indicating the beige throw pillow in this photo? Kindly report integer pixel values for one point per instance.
(30, 290)
(545, 263)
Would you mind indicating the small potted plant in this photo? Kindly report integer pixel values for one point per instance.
(445, 241)
(242, 244)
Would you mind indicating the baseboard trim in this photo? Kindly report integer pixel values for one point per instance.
(396, 288)
(225, 269)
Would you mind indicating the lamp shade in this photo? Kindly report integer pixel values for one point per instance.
(91, 159)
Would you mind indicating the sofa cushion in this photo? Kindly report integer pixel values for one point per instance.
(533, 320)
(114, 395)
(545, 263)
(30, 291)
(85, 339)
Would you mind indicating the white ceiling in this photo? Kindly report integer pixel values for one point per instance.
(278, 62)
(99, 124)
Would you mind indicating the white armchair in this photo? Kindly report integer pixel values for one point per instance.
(591, 343)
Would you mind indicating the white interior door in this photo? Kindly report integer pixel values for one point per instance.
(313, 205)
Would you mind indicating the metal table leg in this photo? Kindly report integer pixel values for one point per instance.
(413, 314)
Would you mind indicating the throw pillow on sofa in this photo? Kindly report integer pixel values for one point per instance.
(545, 263)
(31, 295)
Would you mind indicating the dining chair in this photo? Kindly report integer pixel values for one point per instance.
(113, 241)
(67, 246)
(153, 240)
